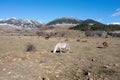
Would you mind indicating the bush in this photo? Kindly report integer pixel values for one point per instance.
(30, 47)
(38, 33)
(96, 27)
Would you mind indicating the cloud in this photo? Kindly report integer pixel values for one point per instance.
(118, 9)
(117, 13)
(115, 23)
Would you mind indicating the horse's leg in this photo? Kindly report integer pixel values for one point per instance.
(60, 50)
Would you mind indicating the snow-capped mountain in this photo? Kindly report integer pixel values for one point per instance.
(21, 23)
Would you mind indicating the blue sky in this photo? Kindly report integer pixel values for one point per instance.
(105, 11)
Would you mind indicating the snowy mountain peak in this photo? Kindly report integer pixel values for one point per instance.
(22, 23)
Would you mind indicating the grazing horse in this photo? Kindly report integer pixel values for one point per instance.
(105, 44)
(61, 47)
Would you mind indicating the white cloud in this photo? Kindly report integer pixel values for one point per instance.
(117, 13)
(118, 9)
(115, 23)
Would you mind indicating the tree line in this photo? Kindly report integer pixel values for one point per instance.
(96, 27)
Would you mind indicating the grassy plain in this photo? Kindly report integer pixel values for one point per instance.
(84, 61)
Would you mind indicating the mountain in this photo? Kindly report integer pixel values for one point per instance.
(64, 20)
(90, 21)
(71, 21)
(21, 23)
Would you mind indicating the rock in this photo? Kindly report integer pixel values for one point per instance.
(87, 73)
(105, 66)
(9, 72)
(93, 59)
(116, 65)
(57, 75)
(4, 69)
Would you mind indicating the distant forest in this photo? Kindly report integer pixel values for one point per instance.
(95, 27)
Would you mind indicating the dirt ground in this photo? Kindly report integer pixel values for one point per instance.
(87, 60)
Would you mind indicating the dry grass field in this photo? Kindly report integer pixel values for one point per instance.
(84, 61)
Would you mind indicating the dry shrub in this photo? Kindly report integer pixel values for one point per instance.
(30, 47)
(47, 37)
(78, 40)
(67, 39)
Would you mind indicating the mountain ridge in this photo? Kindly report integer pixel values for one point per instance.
(22, 23)
(26, 23)
(69, 20)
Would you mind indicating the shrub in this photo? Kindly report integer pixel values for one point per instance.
(96, 27)
(30, 47)
(38, 33)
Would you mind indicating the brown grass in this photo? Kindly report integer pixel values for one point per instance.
(85, 60)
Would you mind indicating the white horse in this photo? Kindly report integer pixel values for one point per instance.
(61, 47)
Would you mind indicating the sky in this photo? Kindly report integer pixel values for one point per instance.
(105, 11)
